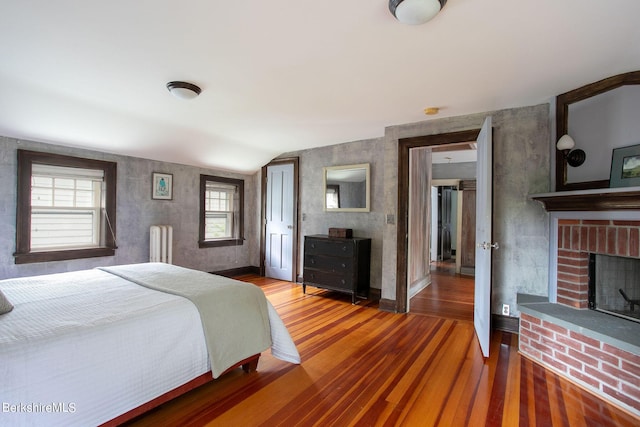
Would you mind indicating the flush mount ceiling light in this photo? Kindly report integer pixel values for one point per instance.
(415, 12)
(183, 90)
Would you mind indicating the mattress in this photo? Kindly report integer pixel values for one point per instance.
(82, 347)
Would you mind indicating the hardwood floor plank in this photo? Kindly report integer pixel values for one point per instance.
(498, 389)
(439, 378)
(365, 367)
(449, 295)
(512, 393)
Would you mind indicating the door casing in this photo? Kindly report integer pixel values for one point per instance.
(404, 147)
(296, 206)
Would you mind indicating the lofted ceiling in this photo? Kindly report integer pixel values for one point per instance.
(281, 76)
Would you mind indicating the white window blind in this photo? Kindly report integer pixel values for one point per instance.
(220, 211)
(65, 207)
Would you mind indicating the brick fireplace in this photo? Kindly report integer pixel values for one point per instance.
(577, 238)
(595, 350)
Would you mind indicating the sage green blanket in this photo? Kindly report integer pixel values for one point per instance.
(234, 314)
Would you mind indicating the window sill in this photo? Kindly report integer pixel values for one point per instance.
(32, 257)
(219, 243)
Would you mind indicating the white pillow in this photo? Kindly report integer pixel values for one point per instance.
(5, 305)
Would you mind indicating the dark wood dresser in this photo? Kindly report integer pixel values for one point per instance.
(337, 264)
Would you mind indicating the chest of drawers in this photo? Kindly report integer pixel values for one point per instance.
(337, 264)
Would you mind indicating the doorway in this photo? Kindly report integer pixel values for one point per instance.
(405, 145)
(444, 215)
(279, 220)
(450, 294)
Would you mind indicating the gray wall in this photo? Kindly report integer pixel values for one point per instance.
(522, 148)
(521, 166)
(136, 211)
(313, 218)
(465, 170)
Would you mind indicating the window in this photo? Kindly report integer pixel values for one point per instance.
(333, 196)
(221, 211)
(66, 208)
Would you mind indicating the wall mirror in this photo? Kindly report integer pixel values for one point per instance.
(575, 102)
(346, 188)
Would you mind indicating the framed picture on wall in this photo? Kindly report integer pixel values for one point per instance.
(625, 167)
(162, 186)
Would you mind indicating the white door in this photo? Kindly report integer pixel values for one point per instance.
(484, 244)
(279, 222)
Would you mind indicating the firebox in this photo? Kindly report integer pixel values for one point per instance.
(614, 285)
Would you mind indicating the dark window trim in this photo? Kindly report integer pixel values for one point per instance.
(26, 159)
(202, 243)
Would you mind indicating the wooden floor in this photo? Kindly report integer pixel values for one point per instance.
(449, 295)
(364, 367)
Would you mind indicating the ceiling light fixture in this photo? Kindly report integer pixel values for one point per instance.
(431, 111)
(415, 12)
(183, 90)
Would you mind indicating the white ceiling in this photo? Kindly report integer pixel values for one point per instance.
(279, 76)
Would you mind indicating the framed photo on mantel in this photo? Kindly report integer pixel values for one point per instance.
(625, 167)
(162, 186)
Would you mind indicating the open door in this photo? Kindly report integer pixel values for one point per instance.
(484, 245)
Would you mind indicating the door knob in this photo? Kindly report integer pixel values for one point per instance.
(487, 245)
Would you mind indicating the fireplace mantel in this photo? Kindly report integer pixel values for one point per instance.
(602, 199)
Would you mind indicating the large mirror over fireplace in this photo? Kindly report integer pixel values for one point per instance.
(599, 116)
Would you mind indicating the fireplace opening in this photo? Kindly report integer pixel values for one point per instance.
(614, 285)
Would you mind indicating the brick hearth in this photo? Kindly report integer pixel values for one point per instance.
(608, 367)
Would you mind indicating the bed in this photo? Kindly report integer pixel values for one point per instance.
(98, 346)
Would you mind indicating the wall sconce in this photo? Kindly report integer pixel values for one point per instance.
(573, 157)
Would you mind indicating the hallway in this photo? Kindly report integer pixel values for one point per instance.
(449, 295)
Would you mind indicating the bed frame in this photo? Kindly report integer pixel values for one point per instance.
(248, 365)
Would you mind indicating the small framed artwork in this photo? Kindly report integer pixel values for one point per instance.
(625, 167)
(162, 186)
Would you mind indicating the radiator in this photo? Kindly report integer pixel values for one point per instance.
(160, 243)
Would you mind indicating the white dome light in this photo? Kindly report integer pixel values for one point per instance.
(183, 90)
(415, 12)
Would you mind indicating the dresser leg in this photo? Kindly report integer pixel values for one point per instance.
(304, 288)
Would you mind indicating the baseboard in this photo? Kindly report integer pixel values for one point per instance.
(505, 323)
(387, 305)
(250, 269)
(468, 271)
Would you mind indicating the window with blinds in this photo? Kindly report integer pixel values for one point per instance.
(221, 211)
(65, 207)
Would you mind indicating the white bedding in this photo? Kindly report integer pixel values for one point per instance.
(101, 347)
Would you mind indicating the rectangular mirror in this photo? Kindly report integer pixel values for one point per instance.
(346, 188)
